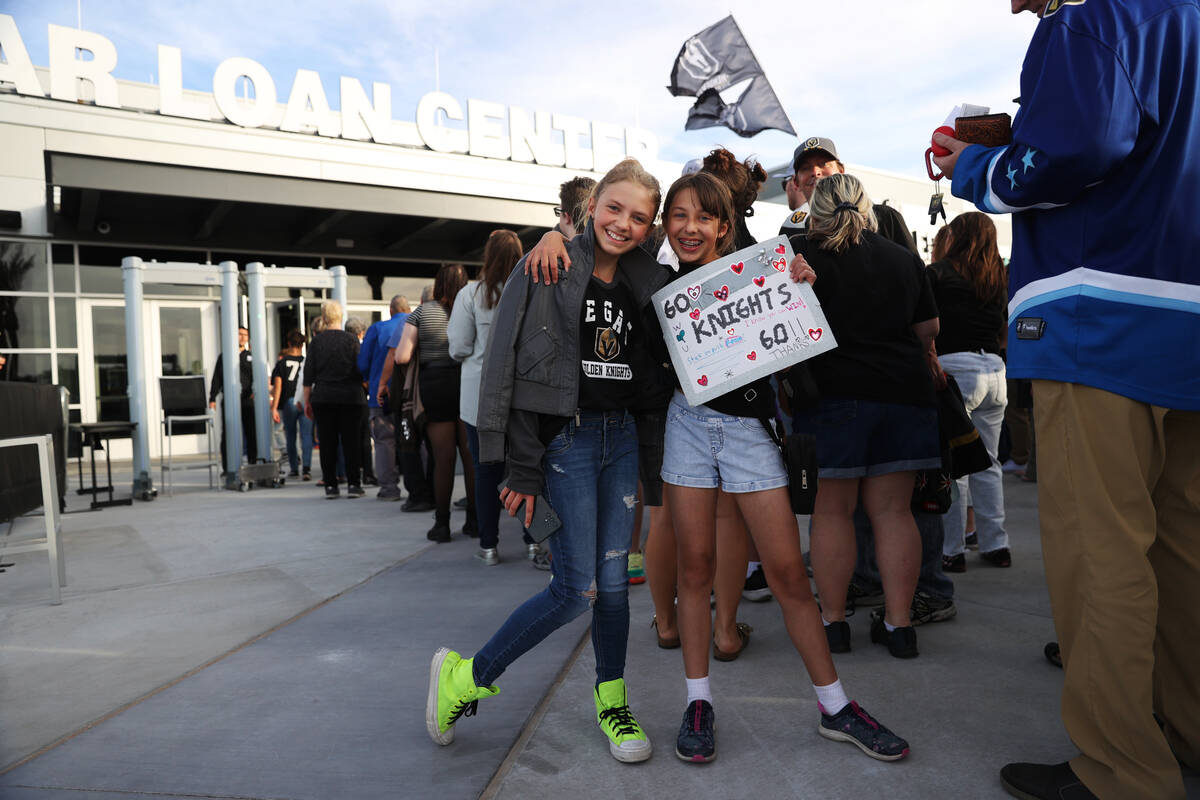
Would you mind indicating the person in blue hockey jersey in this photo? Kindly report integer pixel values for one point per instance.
(1103, 181)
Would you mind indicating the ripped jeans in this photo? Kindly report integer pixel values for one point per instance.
(591, 472)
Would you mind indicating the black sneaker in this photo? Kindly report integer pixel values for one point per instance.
(414, 504)
(756, 589)
(696, 740)
(439, 533)
(926, 608)
(956, 563)
(854, 725)
(1057, 781)
(332, 493)
(354, 490)
(859, 595)
(838, 635)
(901, 642)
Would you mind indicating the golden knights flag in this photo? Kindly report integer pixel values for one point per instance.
(713, 60)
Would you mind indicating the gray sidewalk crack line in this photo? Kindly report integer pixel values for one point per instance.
(531, 725)
(197, 669)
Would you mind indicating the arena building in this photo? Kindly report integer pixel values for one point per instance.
(94, 169)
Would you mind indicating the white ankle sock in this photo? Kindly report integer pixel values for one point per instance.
(753, 565)
(698, 689)
(825, 622)
(832, 697)
(888, 626)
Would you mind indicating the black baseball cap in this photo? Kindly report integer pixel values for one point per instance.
(814, 143)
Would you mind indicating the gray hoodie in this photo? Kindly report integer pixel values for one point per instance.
(531, 367)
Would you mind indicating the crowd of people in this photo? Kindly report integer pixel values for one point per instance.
(500, 375)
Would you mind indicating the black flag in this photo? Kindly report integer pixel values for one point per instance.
(756, 110)
(713, 60)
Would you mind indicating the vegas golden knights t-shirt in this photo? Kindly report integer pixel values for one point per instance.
(606, 333)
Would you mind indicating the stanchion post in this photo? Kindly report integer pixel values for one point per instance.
(132, 269)
(232, 392)
(256, 286)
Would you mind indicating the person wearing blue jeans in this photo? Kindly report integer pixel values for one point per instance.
(488, 478)
(981, 378)
(591, 472)
(934, 600)
(561, 378)
(295, 422)
(285, 408)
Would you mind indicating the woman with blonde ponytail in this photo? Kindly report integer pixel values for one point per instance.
(875, 423)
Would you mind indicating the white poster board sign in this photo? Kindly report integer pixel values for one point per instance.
(739, 319)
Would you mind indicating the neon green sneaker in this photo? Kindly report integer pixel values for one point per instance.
(626, 740)
(452, 694)
(636, 571)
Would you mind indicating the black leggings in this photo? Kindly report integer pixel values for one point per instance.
(338, 424)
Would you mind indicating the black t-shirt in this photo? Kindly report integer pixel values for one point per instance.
(756, 399)
(872, 293)
(287, 369)
(608, 324)
(967, 323)
(332, 369)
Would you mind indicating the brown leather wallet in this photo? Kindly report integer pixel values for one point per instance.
(989, 130)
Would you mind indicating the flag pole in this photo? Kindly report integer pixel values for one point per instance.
(763, 72)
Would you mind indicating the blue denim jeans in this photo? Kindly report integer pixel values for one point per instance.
(293, 419)
(488, 478)
(981, 377)
(591, 481)
(932, 580)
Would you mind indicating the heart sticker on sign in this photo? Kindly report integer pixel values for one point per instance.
(781, 249)
(760, 280)
(779, 264)
(702, 380)
(738, 267)
(694, 292)
(815, 334)
(694, 313)
(722, 293)
(752, 355)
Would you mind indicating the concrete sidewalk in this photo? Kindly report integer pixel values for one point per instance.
(276, 645)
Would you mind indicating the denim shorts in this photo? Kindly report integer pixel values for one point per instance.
(705, 449)
(865, 438)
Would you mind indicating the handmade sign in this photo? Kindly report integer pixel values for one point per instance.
(738, 319)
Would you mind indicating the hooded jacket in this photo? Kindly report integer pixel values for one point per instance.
(531, 365)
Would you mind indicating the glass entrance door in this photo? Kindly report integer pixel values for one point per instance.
(181, 339)
(103, 371)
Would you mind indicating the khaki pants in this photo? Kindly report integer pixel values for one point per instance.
(1119, 506)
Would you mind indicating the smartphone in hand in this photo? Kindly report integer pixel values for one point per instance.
(545, 520)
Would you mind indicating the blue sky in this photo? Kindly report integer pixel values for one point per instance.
(875, 75)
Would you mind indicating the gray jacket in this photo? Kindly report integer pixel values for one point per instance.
(531, 366)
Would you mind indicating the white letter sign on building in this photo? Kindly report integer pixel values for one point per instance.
(492, 130)
(254, 113)
(67, 69)
(16, 68)
(300, 118)
(170, 87)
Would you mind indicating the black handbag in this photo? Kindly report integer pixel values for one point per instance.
(963, 452)
(799, 451)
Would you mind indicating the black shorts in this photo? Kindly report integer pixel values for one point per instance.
(439, 391)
